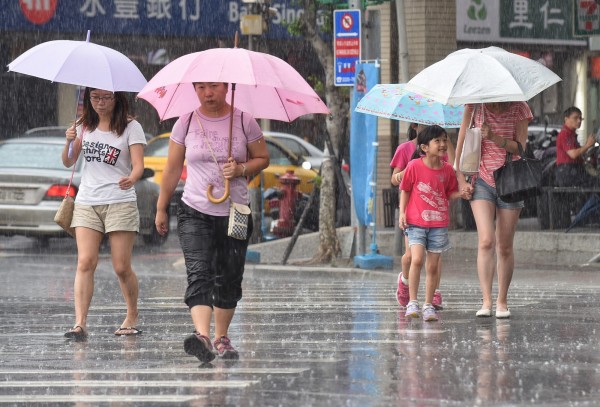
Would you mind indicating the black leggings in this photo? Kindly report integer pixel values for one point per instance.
(214, 261)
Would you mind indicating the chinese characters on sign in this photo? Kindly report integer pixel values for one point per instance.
(346, 45)
(130, 9)
(535, 19)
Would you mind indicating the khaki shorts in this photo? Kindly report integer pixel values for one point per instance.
(107, 218)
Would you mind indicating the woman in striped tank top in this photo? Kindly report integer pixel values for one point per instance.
(502, 126)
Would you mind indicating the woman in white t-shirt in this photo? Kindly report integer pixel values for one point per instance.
(112, 144)
(214, 261)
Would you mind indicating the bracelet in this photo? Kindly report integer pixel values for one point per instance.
(244, 170)
(504, 143)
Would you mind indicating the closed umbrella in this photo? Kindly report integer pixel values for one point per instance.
(263, 85)
(482, 76)
(394, 101)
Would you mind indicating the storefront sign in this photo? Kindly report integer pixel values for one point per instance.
(516, 21)
(587, 17)
(147, 17)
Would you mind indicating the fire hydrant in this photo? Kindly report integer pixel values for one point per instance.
(287, 204)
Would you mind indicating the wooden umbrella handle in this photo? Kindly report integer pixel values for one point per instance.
(221, 199)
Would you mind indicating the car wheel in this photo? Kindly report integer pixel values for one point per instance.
(154, 238)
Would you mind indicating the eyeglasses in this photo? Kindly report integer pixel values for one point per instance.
(107, 98)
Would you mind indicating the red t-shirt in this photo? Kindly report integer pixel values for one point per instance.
(403, 155)
(429, 191)
(567, 140)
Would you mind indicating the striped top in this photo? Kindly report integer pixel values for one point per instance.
(503, 125)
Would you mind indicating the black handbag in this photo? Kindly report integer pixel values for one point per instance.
(518, 179)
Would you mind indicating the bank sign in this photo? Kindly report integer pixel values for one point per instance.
(516, 21)
(210, 18)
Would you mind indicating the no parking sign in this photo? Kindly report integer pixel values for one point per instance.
(346, 45)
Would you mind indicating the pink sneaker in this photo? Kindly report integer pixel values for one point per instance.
(437, 301)
(402, 293)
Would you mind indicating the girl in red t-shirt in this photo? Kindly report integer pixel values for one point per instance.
(427, 186)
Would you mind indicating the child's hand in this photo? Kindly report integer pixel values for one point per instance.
(402, 221)
(466, 190)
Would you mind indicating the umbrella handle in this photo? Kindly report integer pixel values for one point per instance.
(218, 200)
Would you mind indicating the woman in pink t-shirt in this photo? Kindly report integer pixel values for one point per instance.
(214, 261)
(502, 126)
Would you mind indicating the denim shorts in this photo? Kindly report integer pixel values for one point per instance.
(484, 191)
(434, 240)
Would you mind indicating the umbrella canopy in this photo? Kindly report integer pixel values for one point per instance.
(266, 87)
(482, 76)
(80, 63)
(394, 101)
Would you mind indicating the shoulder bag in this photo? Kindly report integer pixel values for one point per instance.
(518, 179)
(470, 157)
(64, 214)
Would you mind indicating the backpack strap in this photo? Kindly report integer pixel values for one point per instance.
(187, 129)
(243, 129)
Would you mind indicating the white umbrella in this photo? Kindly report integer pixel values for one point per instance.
(482, 76)
(80, 63)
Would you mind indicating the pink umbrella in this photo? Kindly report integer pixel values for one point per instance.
(263, 85)
(267, 87)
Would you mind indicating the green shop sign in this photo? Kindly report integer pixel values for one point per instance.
(517, 21)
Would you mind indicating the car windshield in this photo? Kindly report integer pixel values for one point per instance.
(158, 148)
(30, 155)
(294, 147)
(277, 156)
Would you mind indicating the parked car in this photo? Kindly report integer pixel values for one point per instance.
(56, 131)
(155, 157)
(282, 159)
(47, 131)
(300, 147)
(33, 182)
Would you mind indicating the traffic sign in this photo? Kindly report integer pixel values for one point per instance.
(346, 45)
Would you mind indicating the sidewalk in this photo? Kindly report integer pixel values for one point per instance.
(581, 246)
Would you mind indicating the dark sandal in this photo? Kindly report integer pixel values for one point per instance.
(77, 333)
(134, 331)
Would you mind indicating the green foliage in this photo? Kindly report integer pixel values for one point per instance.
(317, 84)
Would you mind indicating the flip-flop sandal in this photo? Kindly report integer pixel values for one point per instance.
(76, 333)
(133, 331)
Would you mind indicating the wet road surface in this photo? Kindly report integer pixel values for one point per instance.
(306, 337)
